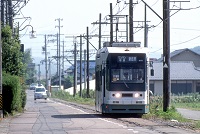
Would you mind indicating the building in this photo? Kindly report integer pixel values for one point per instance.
(184, 73)
(185, 78)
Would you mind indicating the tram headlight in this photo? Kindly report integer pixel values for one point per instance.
(136, 95)
(117, 95)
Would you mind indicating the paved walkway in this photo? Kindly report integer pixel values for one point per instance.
(189, 114)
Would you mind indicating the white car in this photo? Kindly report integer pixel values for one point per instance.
(32, 86)
(40, 93)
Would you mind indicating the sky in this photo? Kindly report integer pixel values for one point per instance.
(77, 15)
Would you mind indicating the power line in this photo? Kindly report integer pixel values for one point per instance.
(186, 41)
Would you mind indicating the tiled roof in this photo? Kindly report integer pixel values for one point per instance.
(179, 70)
(176, 52)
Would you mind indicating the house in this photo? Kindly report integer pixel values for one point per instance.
(185, 78)
(185, 55)
(184, 73)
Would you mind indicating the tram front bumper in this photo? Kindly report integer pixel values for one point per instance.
(111, 108)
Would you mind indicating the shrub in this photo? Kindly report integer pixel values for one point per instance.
(13, 95)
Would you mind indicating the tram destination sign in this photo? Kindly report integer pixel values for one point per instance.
(126, 59)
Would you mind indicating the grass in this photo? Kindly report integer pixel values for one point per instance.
(190, 101)
(81, 100)
(156, 108)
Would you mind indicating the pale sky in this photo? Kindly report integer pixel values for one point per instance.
(79, 14)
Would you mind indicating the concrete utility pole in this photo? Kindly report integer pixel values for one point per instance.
(10, 13)
(80, 66)
(63, 55)
(1, 89)
(59, 57)
(131, 21)
(111, 24)
(88, 76)
(46, 70)
(85, 69)
(166, 55)
(75, 69)
(145, 27)
(99, 31)
(2, 12)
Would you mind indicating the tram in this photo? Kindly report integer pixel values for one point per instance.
(122, 78)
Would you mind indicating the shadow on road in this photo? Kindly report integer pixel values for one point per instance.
(77, 116)
(97, 116)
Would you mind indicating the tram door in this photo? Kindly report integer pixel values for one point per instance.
(99, 88)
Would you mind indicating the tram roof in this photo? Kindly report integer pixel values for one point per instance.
(125, 50)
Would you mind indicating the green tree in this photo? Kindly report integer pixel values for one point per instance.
(29, 68)
(11, 55)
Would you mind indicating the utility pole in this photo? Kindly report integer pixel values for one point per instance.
(80, 66)
(131, 20)
(75, 69)
(59, 57)
(63, 62)
(145, 27)
(99, 31)
(85, 69)
(88, 76)
(45, 47)
(111, 24)
(2, 12)
(1, 89)
(166, 55)
(10, 13)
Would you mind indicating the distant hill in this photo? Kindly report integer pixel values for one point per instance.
(196, 49)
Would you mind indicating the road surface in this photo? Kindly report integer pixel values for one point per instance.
(50, 117)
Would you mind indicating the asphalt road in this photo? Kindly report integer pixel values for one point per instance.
(50, 117)
(189, 114)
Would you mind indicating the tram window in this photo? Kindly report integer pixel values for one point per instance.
(138, 74)
(126, 74)
(115, 75)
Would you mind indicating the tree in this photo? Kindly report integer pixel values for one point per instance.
(11, 55)
(29, 67)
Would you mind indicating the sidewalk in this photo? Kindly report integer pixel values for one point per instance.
(4, 125)
(189, 114)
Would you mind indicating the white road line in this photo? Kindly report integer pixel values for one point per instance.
(120, 125)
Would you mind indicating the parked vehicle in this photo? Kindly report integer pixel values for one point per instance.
(40, 93)
(32, 86)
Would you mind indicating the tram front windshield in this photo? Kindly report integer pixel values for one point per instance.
(127, 74)
(127, 71)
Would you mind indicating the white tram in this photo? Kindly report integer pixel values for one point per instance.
(122, 78)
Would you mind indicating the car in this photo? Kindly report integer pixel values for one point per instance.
(40, 93)
(32, 86)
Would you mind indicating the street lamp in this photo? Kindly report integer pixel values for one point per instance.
(32, 33)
